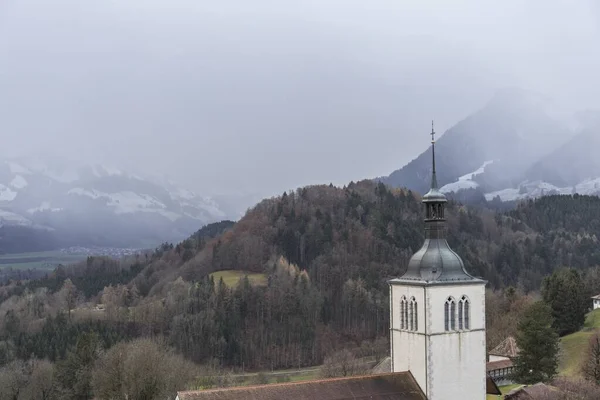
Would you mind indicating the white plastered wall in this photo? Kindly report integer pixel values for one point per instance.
(408, 347)
(446, 365)
(456, 360)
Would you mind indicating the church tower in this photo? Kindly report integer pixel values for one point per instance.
(438, 313)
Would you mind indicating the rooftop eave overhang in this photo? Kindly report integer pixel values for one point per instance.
(420, 282)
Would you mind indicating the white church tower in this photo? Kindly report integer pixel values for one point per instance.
(438, 314)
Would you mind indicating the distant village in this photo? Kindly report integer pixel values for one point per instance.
(115, 252)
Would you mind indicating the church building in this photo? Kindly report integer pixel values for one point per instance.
(437, 312)
(437, 333)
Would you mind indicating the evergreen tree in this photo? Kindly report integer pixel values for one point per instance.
(537, 360)
(564, 292)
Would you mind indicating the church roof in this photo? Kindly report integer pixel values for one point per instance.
(437, 262)
(434, 195)
(507, 348)
(394, 386)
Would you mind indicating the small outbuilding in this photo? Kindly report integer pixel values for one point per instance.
(596, 301)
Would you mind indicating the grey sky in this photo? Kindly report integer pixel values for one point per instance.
(268, 95)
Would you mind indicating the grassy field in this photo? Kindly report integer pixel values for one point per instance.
(38, 260)
(232, 277)
(573, 346)
(504, 390)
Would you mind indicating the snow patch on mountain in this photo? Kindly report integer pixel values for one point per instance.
(95, 171)
(44, 207)
(10, 218)
(466, 181)
(112, 171)
(82, 192)
(531, 190)
(183, 194)
(18, 182)
(35, 191)
(127, 202)
(17, 168)
(6, 193)
(63, 176)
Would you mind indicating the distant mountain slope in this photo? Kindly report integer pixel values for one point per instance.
(497, 144)
(575, 161)
(96, 205)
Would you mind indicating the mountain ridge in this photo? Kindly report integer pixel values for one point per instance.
(97, 205)
(516, 147)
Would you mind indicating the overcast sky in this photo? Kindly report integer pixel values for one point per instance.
(267, 95)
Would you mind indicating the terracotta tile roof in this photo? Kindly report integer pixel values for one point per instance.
(508, 348)
(394, 386)
(494, 365)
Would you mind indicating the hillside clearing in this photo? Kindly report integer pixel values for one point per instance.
(232, 277)
(573, 346)
(504, 390)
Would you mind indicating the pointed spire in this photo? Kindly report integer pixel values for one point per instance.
(433, 177)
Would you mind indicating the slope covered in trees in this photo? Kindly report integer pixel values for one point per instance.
(327, 254)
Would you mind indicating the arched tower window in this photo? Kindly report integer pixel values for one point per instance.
(414, 317)
(453, 315)
(405, 314)
(403, 320)
(466, 313)
(450, 315)
(411, 324)
(463, 313)
(434, 211)
(460, 315)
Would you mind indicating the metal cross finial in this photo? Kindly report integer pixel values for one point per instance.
(432, 133)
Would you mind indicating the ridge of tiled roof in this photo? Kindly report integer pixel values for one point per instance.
(391, 386)
(507, 348)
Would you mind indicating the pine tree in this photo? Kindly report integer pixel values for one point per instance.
(564, 292)
(537, 360)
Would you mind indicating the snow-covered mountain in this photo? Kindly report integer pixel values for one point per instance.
(514, 130)
(97, 204)
(516, 147)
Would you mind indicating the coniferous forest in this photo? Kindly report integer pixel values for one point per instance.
(325, 255)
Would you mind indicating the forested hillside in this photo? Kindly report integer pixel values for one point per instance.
(326, 254)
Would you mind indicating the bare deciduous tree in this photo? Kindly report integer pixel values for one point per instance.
(590, 367)
(69, 294)
(13, 378)
(140, 369)
(343, 363)
(41, 383)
